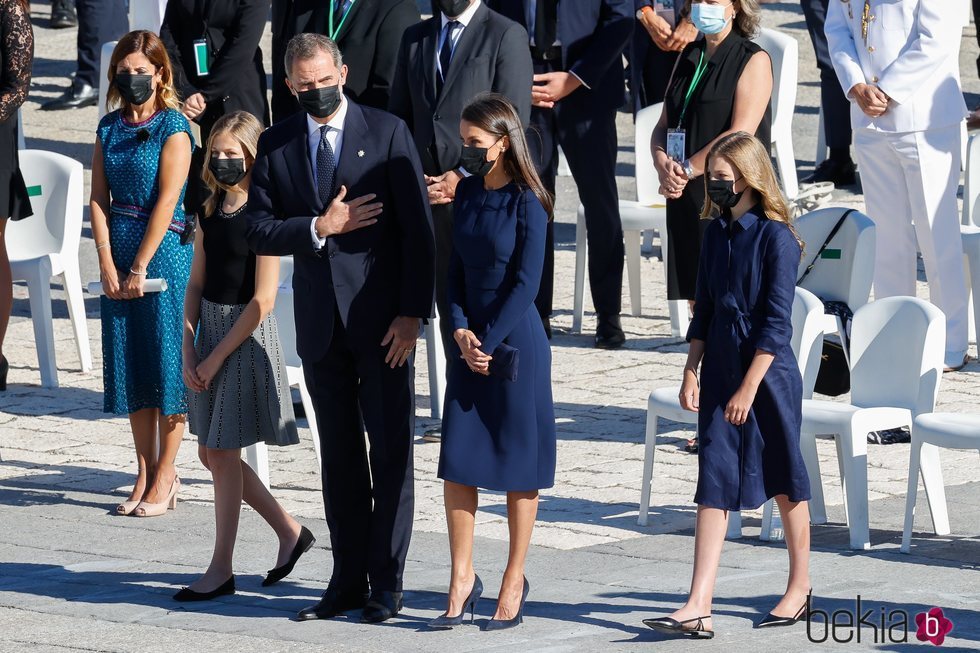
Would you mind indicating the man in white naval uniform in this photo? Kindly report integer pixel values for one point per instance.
(898, 63)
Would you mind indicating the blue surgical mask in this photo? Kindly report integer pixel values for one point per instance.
(709, 19)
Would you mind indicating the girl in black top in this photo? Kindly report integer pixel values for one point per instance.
(721, 84)
(16, 57)
(233, 362)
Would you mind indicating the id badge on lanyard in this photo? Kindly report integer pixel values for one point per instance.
(202, 58)
(677, 144)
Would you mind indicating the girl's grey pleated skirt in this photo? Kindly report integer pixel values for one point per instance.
(249, 399)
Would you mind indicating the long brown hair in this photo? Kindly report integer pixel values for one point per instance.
(751, 159)
(494, 114)
(243, 127)
(150, 46)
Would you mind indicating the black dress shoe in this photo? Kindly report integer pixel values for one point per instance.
(382, 606)
(63, 14)
(78, 95)
(332, 603)
(187, 595)
(609, 333)
(303, 544)
(840, 172)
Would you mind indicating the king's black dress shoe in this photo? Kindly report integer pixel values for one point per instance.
(334, 602)
(187, 595)
(382, 606)
(63, 14)
(78, 95)
(609, 332)
(303, 544)
(839, 171)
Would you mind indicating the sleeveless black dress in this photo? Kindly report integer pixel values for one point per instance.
(708, 115)
(16, 57)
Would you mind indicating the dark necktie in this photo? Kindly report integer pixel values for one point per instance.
(326, 168)
(446, 53)
(545, 24)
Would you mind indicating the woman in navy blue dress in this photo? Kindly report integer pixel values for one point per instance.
(750, 396)
(499, 419)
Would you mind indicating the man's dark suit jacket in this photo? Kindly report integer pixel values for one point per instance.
(371, 275)
(368, 40)
(593, 35)
(234, 28)
(491, 55)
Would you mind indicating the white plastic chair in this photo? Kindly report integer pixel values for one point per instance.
(971, 182)
(846, 270)
(887, 391)
(257, 455)
(970, 236)
(146, 14)
(930, 433)
(663, 402)
(45, 245)
(784, 52)
(647, 213)
(436, 358)
(104, 58)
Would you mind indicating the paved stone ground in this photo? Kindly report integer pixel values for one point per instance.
(74, 577)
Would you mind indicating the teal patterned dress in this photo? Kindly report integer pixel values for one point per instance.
(141, 338)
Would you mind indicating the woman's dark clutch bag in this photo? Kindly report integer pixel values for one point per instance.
(504, 362)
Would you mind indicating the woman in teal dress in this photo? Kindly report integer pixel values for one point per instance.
(139, 172)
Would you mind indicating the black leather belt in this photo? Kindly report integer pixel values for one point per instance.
(546, 54)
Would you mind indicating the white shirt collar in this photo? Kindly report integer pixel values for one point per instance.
(464, 18)
(337, 122)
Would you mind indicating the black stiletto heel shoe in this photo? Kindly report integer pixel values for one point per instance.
(445, 622)
(4, 368)
(503, 624)
(771, 620)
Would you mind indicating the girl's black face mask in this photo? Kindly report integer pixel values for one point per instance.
(722, 193)
(228, 171)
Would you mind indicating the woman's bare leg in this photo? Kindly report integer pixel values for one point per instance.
(522, 510)
(461, 502)
(796, 525)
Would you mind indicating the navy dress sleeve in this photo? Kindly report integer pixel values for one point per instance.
(781, 262)
(532, 219)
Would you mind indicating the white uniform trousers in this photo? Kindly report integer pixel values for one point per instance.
(911, 178)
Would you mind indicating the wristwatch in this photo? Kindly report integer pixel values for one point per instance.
(688, 169)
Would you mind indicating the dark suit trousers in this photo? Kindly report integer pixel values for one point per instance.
(99, 21)
(588, 137)
(442, 224)
(836, 106)
(976, 16)
(370, 524)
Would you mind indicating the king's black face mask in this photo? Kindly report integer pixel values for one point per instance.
(134, 89)
(320, 102)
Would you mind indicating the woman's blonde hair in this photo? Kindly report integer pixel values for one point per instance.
(747, 17)
(150, 46)
(243, 127)
(750, 158)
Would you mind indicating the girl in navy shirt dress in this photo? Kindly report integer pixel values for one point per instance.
(749, 396)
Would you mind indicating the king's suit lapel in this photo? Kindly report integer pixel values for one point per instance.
(297, 155)
(357, 151)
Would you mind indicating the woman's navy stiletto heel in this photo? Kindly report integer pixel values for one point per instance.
(444, 622)
(503, 624)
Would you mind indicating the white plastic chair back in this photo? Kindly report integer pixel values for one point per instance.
(784, 52)
(54, 183)
(897, 350)
(147, 14)
(807, 338)
(846, 269)
(284, 312)
(647, 180)
(971, 183)
(104, 59)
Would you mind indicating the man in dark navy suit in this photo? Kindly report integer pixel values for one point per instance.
(577, 49)
(340, 187)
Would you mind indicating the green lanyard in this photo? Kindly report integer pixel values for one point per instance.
(698, 74)
(343, 19)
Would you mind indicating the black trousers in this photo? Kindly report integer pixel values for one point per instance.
(587, 135)
(368, 498)
(442, 223)
(99, 21)
(836, 106)
(976, 16)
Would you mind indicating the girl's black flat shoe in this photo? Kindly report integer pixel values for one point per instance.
(670, 626)
(772, 621)
(303, 544)
(187, 595)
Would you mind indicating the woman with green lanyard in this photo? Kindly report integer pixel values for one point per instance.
(721, 84)
(214, 48)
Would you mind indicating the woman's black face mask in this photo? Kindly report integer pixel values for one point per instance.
(474, 160)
